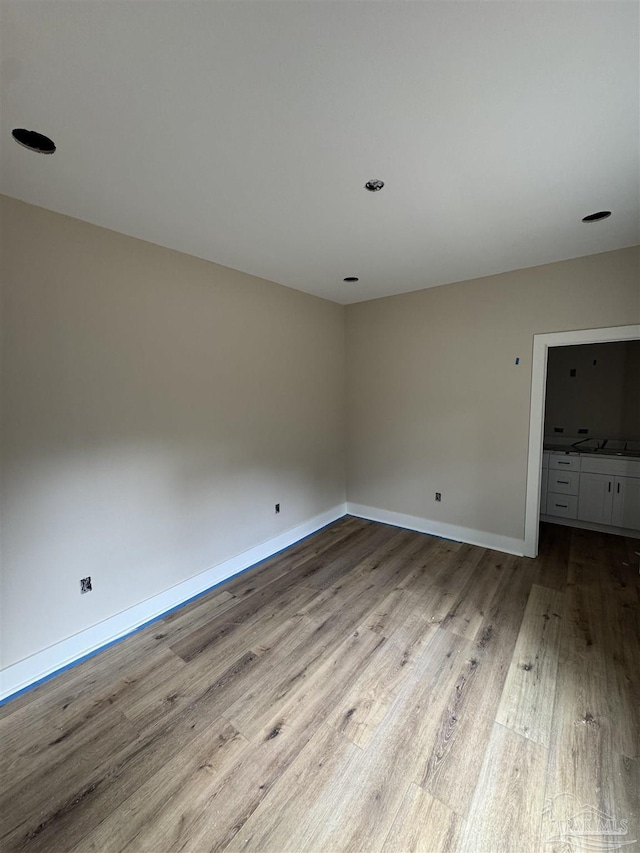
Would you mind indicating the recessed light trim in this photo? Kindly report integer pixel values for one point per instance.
(597, 217)
(33, 140)
(351, 278)
(374, 185)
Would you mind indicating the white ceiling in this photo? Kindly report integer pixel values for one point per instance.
(243, 132)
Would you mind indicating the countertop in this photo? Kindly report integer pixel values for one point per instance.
(576, 451)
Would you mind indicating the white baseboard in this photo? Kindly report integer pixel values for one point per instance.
(43, 664)
(589, 525)
(439, 528)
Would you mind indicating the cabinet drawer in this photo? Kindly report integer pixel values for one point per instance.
(562, 505)
(564, 482)
(562, 462)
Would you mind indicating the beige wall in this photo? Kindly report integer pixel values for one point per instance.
(156, 407)
(601, 397)
(436, 401)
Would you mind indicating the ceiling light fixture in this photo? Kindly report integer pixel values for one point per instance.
(597, 217)
(374, 185)
(351, 278)
(33, 141)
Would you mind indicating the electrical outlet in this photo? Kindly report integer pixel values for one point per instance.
(583, 431)
(85, 585)
(277, 508)
(438, 496)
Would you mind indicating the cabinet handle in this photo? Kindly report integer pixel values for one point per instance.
(564, 482)
(564, 463)
(618, 489)
(564, 506)
(609, 485)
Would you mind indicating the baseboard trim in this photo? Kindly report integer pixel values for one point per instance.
(27, 673)
(438, 528)
(589, 525)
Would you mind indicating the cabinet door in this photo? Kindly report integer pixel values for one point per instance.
(595, 499)
(626, 502)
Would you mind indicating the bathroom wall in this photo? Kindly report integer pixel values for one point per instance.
(594, 387)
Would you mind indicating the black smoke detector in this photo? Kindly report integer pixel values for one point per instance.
(33, 141)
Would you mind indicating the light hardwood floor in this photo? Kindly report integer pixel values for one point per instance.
(370, 689)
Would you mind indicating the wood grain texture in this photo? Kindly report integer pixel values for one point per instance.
(424, 825)
(372, 695)
(298, 808)
(365, 804)
(451, 768)
(529, 692)
(364, 690)
(131, 823)
(467, 613)
(215, 821)
(593, 747)
(506, 812)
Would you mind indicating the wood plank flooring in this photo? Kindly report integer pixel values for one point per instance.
(370, 689)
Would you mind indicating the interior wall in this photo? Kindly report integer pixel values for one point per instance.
(155, 408)
(436, 401)
(602, 395)
(631, 393)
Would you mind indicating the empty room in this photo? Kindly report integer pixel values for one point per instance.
(320, 426)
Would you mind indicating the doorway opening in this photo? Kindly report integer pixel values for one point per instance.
(541, 346)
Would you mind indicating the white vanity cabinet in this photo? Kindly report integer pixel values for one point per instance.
(592, 490)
